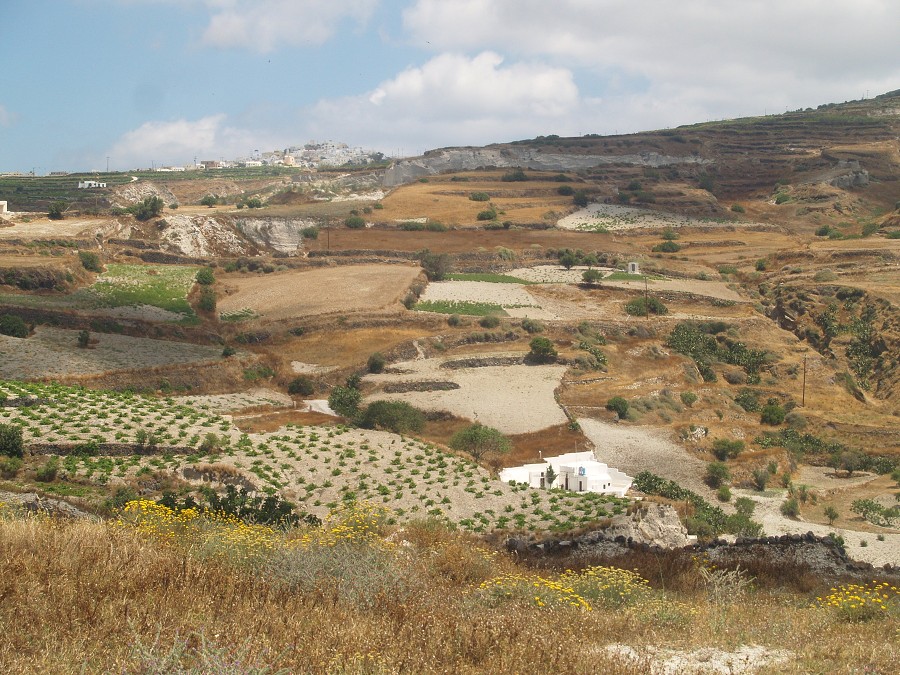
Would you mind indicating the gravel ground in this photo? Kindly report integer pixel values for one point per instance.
(513, 298)
(222, 403)
(55, 352)
(614, 217)
(515, 399)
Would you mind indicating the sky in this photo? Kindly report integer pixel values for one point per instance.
(86, 84)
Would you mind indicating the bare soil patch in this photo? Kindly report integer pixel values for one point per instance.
(294, 294)
(524, 403)
(44, 228)
(54, 352)
(326, 350)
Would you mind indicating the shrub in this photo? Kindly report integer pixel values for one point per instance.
(376, 363)
(13, 325)
(254, 203)
(717, 474)
(894, 234)
(205, 276)
(669, 234)
(208, 200)
(724, 449)
(666, 247)
(301, 386)
(480, 197)
(781, 198)
(688, 398)
(397, 416)
(831, 513)
(90, 261)
(480, 441)
(149, 207)
(57, 211)
(228, 350)
(790, 508)
(760, 478)
(824, 275)
(454, 320)
(761, 265)
(11, 443)
(773, 413)
(311, 232)
(591, 277)
(487, 214)
(580, 199)
(84, 339)
(436, 265)
(531, 326)
(489, 321)
(619, 405)
(47, 472)
(643, 306)
(723, 494)
(355, 222)
(207, 301)
(737, 208)
(745, 506)
(517, 175)
(10, 466)
(565, 190)
(345, 401)
(748, 399)
(542, 350)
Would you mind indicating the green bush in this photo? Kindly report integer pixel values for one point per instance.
(619, 405)
(723, 494)
(479, 441)
(480, 197)
(737, 208)
(487, 214)
(542, 350)
(207, 301)
(345, 401)
(205, 276)
(310, 232)
(436, 265)
(666, 247)
(10, 466)
(84, 339)
(228, 350)
(11, 443)
(893, 234)
(254, 203)
(489, 321)
(516, 175)
(580, 198)
(301, 386)
(643, 306)
(13, 325)
(47, 473)
(90, 261)
(748, 399)
(591, 277)
(454, 320)
(355, 222)
(531, 326)
(688, 398)
(376, 363)
(724, 449)
(717, 474)
(761, 265)
(209, 200)
(565, 190)
(57, 211)
(149, 207)
(781, 198)
(773, 413)
(670, 235)
(397, 416)
(790, 508)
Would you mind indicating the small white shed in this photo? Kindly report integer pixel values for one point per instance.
(634, 268)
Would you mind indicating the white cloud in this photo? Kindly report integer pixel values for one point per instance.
(179, 141)
(263, 25)
(720, 58)
(453, 99)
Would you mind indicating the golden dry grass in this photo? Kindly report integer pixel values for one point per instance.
(92, 597)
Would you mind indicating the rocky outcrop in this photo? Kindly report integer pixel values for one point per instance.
(468, 159)
(31, 502)
(201, 237)
(283, 235)
(132, 193)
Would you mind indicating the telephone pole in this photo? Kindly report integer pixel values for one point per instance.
(803, 399)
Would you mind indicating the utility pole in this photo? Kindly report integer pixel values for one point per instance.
(803, 400)
(646, 299)
(107, 164)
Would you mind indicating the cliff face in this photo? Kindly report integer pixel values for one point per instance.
(469, 159)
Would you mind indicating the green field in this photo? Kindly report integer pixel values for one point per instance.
(163, 286)
(460, 307)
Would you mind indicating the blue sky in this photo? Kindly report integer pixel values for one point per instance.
(162, 81)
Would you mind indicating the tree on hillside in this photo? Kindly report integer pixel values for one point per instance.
(11, 443)
(542, 350)
(479, 441)
(57, 211)
(208, 200)
(591, 277)
(149, 207)
(436, 265)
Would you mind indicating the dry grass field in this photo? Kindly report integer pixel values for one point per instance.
(297, 294)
